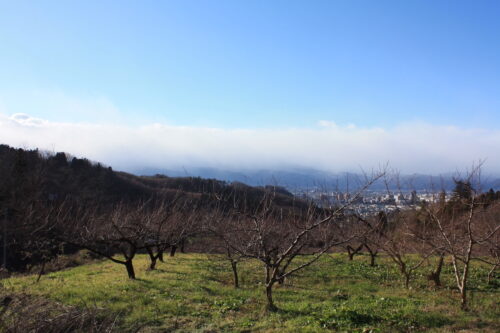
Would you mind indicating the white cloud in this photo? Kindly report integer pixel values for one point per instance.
(26, 120)
(327, 123)
(410, 147)
(55, 104)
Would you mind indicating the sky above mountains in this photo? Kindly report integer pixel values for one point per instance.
(326, 84)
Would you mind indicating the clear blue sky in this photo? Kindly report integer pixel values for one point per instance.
(256, 64)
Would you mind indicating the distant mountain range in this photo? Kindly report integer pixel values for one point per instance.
(303, 179)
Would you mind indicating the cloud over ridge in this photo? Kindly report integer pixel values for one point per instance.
(410, 147)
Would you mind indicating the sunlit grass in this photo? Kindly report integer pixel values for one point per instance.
(194, 292)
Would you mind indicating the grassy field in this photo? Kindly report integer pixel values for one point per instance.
(194, 292)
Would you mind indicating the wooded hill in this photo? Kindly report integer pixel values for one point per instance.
(32, 179)
(40, 175)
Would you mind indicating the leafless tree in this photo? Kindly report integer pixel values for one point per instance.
(400, 246)
(231, 256)
(111, 233)
(276, 236)
(34, 234)
(495, 255)
(461, 229)
(357, 244)
(372, 229)
(490, 247)
(167, 224)
(219, 227)
(395, 232)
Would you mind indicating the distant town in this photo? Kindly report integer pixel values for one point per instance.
(371, 202)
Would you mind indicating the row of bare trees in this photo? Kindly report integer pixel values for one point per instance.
(464, 229)
(120, 232)
(284, 238)
(276, 236)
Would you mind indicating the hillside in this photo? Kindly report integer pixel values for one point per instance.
(32, 182)
(44, 176)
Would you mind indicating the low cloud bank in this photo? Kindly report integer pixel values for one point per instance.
(410, 147)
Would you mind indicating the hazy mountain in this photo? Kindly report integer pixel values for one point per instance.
(300, 179)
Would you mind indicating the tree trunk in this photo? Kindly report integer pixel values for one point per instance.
(172, 250)
(407, 280)
(372, 259)
(160, 254)
(435, 276)
(373, 255)
(270, 280)
(462, 282)
(269, 294)
(353, 251)
(152, 265)
(235, 273)
(406, 274)
(152, 258)
(463, 297)
(42, 271)
(130, 269)
(463, 289)
(183, 244)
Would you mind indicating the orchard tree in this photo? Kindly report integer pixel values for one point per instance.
(462, 229)
(116, 233)
(276, 235)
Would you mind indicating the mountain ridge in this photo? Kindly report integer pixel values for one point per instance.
(303, 179)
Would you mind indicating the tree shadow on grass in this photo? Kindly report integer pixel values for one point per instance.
(144, 281)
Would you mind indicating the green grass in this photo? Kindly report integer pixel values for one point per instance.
(193, 292)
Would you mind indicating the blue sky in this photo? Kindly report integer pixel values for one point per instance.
(256, 65)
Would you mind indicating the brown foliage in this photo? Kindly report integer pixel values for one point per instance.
(21, 313)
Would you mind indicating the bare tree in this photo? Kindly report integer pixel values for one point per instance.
(34, 234)
(490, 246)
(461, 229)
(154, 241)
(398, 244)
(234, 258)
(354, 247)
(495, 254)
(395, 231)
(374, 228)
(216, 227)
(276, 236)
(167, 224)
(112, 233)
